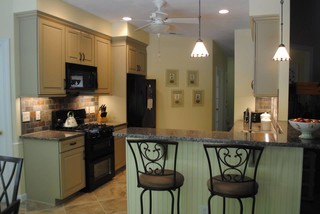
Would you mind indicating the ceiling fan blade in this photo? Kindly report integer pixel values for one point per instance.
(142, 27)
(182, 20)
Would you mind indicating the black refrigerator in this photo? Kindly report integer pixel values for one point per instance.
(141, 101)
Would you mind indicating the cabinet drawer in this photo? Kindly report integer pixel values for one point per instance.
(71, 143)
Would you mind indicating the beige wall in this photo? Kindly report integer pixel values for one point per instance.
(173, 52)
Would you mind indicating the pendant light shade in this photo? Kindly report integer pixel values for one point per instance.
(282, 53)
(199, 49)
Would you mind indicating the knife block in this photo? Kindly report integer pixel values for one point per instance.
(102, 117)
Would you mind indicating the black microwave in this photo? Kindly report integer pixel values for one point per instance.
(81, 77)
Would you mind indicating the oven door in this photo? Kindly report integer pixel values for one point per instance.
(99, 171)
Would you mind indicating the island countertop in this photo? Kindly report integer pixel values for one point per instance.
(285, 135)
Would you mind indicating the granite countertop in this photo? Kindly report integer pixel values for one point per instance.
(283, 136)
(51, 135)
(116, 124)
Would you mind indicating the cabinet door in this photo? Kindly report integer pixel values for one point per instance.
(119, 152)
(141, 61)
(79, 47)
(87, 48)
(72, 171)
(73, 52)
(266, 44)
(132, 59)
(51, 58)
(103, 63)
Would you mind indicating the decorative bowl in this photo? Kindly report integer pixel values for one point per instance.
(305, 126)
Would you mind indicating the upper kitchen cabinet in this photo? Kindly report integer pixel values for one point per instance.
(79, 47)
(129, 55)
(136, 59)
(266, 37)
(42, 56)
(103, 63)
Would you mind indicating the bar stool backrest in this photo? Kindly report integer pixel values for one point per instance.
(10, 173)
(154, 157)
(236, 163)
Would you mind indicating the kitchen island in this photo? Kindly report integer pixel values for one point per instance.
(279, 173)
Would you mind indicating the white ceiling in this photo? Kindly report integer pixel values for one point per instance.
(214, 26)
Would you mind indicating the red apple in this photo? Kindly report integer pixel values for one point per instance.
(307, 120)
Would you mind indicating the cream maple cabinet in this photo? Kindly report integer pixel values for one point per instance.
(54, 169)
(42, 56)
(119, 149)
(137, 56)
(129, 55)
(266, 39)
(103, 64)
(79, 47)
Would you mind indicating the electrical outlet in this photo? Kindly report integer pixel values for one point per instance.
(87, 110)
(25, 116)
(38, 115)
(92, 109)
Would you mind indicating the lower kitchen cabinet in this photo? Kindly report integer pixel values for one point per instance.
(54, 170)
(119, 149)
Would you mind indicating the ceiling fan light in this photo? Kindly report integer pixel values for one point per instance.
(159, 28)
(281, 54)
(199, 50)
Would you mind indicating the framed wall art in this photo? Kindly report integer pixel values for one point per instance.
(177, 98)
(192, 78)
(197, 97)
(172, 77)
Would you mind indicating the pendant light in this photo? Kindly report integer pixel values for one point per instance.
(199, 49)
(282, 53)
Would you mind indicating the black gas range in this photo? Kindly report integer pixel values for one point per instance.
(99, 146)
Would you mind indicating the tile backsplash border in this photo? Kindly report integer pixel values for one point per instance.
(47, 105)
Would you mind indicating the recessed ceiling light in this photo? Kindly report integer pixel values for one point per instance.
(126, 18)
(223, 11)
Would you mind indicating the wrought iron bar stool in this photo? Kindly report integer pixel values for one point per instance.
(155, 162)
(10, 173)
(237, 170)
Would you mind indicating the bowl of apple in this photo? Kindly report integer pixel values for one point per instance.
(305, 126)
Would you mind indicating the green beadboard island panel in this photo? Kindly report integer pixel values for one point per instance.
(279, 177)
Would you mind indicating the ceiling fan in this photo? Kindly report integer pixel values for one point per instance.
(160, 22)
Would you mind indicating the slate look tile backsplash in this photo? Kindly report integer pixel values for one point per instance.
(47, 105)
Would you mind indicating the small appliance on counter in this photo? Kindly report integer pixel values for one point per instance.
(265, 121)
(102, 114)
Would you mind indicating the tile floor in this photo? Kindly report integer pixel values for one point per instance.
(107, 199)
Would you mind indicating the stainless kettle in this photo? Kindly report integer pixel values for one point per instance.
(70, 121)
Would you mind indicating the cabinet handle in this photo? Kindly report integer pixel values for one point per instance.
(138, 68)
(84, 57)
(73, 143)
(0, 132)
(80, 56)
(252, 84)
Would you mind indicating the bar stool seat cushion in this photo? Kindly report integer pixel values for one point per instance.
(233, 188)
(161, 182)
